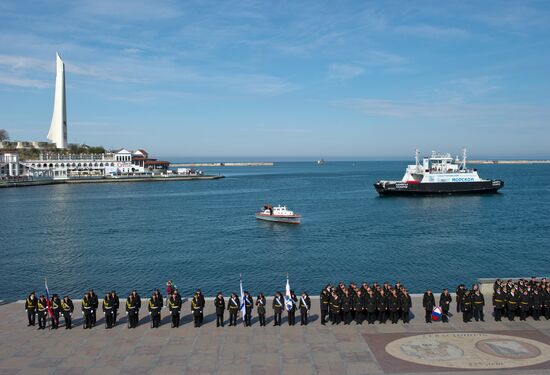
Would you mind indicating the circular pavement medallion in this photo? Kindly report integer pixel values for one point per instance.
(467, 350)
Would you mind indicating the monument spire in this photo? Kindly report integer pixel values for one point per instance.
(58, 127)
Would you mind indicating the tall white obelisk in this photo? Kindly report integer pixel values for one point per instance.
(58, 127)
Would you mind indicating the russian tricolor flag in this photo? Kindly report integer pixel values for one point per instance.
(48, 297)
(437, 313)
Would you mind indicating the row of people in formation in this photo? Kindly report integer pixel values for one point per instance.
(56, 307)
(340, 303)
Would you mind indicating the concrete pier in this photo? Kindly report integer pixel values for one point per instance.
(226, 164)
(107, 180)
(509, 161)
(417, 348)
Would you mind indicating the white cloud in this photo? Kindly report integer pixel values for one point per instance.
(505, 113)
(25, 63)
(432, 31)
(382, 58)
(133, 10)
(261, 84)
(344, 71)
(22, 82)
(514, 16)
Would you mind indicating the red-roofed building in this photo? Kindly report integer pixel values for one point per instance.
(141, 158)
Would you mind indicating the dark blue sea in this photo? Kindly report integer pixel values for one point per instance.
(204, 234)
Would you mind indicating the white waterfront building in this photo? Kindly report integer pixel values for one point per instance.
(63, 166)
(9, 165)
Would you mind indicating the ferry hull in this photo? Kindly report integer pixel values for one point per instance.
(279, 219)
(404, 188)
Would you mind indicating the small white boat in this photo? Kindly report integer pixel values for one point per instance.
(321, 162)
(278, 214)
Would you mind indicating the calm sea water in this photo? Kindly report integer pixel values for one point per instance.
(204, 234)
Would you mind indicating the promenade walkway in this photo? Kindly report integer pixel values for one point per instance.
(416, 348)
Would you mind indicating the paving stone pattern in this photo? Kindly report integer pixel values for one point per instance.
(315, 349)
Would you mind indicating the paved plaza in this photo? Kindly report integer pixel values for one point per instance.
(415, 348)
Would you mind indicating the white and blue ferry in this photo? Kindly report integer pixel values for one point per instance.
(438, 174)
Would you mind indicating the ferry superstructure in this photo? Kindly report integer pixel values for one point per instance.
(438, 174)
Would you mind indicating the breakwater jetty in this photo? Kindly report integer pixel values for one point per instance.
(417, 348)
(92, 180)
(226, 164)
(509, 161)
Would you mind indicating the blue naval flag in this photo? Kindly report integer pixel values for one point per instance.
(288, 301)
(242, 307)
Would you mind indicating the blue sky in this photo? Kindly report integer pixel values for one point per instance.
(306, 79)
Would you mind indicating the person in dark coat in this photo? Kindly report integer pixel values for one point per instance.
(95, 305)
(445, 300)
(42, 310)
(202, 302)
(370, 306)
(335, 307)
(291, 309)
(359, 306)
(499, 300)
(467, 307)
(160, 297)
(67, 308)
(87, 311)
(382, 306)
(460, 292)
(478, 301)
(196, 310)
(536, 303)
(428, 302)
(512, 304)
(346, 303)
(405, 305)
(393, 306)
(55, 305)
(132, 311)
(137, 301)
(248, 306)
(154, 307)
(219, 303)
(305, 305)
(233, 306)
(524, 305)
(174, 305)
(261, 303)
(278, 306)
(116, 305)
(546, 302)
(30, 308)
(324, 300)
(107, 307)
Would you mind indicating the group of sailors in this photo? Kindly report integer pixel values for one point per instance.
(511, 299)
(365, 303)
(338, 304)
(39, 307)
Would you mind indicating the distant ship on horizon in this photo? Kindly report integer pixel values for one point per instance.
(438, 174)
(321, 161)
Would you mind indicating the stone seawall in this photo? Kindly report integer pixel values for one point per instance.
(106, 180)
(224, 164)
